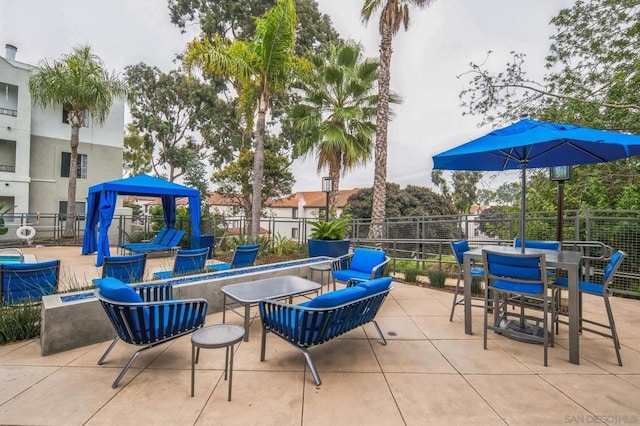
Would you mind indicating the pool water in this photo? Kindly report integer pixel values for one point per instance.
(5, 258)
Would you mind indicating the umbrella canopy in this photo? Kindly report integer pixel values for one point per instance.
(534, 144)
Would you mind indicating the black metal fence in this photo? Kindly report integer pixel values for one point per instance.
(424, 240)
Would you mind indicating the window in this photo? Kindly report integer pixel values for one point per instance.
(62, 209)
(294, 213)
(65, 116)
(66, 162)
(294, 233)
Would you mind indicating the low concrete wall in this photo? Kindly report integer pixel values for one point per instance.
(72, 320)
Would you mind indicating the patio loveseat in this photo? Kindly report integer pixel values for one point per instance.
(325, 317)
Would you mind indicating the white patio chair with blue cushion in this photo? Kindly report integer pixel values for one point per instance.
(459, 248)
(146, 315)
(517, 275)
(596, 289)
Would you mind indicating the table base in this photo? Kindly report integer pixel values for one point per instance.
(527, 332)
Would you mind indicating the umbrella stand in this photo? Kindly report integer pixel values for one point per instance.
(521, 325)
(523, 202)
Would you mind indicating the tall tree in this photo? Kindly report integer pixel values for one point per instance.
(136, 157)
(235, 20)
(79, 83)
(410, 201)
(592, 81)
(234, 182)
(336, 114)
(181, 120)
(394, 13)
(259, 68)
(465, 191)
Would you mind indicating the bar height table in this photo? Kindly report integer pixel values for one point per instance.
(566, 260)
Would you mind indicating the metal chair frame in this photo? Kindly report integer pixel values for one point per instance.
(587, 287)
(514, 275)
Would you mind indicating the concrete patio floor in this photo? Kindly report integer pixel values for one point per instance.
(429, 373)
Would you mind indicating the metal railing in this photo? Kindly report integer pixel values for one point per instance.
(423, 240)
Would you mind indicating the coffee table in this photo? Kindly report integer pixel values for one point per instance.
(250, 293)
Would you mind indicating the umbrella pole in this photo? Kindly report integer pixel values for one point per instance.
(523, 203)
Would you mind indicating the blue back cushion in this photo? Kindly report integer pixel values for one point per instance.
(364, 260)
(516, 267)
(114, 289)
(376, 286)
(337, 298)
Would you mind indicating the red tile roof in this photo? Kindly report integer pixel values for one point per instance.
(313, 198)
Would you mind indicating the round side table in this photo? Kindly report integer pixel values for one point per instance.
(213, 337)
(322, 268)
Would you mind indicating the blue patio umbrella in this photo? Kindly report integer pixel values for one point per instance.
(534, 144)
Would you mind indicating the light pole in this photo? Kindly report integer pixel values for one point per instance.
(327, 188)
(560, 174)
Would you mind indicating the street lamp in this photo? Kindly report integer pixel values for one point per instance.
(327, 188)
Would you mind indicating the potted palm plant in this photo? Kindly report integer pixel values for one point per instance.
(328, 238)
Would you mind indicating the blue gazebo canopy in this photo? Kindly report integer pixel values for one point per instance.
(102, 203)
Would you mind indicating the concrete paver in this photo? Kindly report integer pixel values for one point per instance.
(429, 373)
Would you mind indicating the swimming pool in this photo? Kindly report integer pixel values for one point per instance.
(11, 255)
(4, 259)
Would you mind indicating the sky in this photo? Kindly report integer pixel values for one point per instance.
(442, 40)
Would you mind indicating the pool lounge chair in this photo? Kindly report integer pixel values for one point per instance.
(156, 240)
(169, 242)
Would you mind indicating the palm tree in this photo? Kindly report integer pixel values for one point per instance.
(336, 115)
(80, 84)
(259, 68)
(394, 13)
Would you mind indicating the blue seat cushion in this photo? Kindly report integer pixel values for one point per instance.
(219, 266)
(364, 260)
(337, 298)
(477, 272)
(376, 286)
(514, 287)
(163, 275)
(583, 286)
(114, 289)
(347, 274)
(561, 282)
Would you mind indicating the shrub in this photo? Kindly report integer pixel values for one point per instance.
(437, 277)
(19, 322)
(388, 268)
(411, 275)
(476, 285)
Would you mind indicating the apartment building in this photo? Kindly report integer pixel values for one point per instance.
(35, 151)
